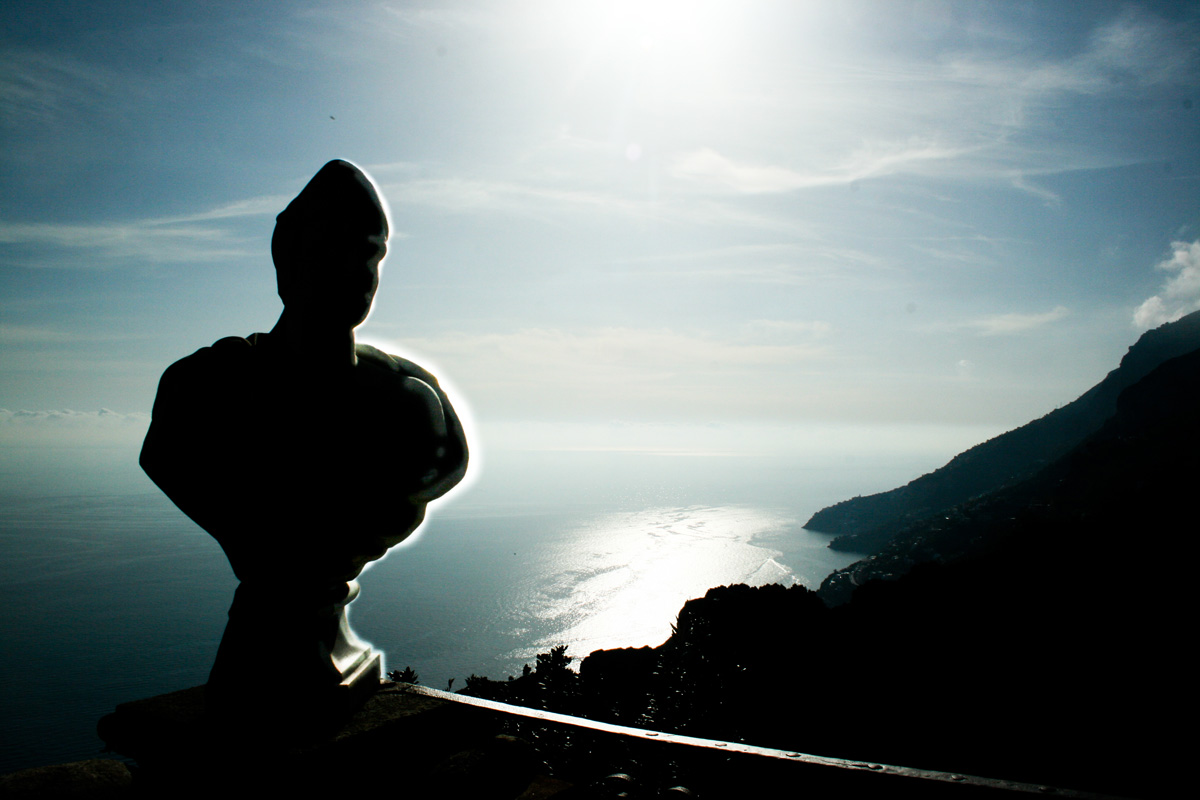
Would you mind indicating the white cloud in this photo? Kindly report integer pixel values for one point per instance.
(975, 114)
(631, 352)
(44, 87)
(544, 373)
(270, 204)
(1140, 49)
(1005, 324)
(710, 167)
(553, 200)
(800, 262)
(1134, 50)
(473, 195)
(66, 417)
(1180, 294)
(27, 334)
(177, 239)
(423, 19)
(788, 329)
(66, 452)
(186, 238)
(1051, 199)
(149, 240)
(65, 428)
(886, 158)
(707, 166)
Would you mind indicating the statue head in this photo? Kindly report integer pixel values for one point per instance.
(328, 245)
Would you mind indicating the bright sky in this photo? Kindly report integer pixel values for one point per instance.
(614, 216)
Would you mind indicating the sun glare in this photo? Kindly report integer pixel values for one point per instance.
(671, 40)
(665, 25)
(675, 36)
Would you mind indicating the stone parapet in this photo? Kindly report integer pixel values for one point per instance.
(397, 742)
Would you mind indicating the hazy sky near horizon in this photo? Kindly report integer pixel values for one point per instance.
(611, 218)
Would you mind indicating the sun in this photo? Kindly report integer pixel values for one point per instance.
(674, 34)
(669, 40)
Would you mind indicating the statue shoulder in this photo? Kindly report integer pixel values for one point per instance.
(448, 461)
(203, 367)
(400, 366)
(404, 383)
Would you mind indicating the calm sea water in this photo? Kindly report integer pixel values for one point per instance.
(114, 598)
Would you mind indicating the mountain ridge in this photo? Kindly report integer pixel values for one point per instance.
(867, 523)
(1123, 471)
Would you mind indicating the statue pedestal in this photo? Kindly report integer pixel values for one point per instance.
(389, 748)
(289, 660)
(358, 667)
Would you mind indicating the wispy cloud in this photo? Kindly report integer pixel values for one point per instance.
(539, 373)
(1051, 199)
(785, 263)
(1008, 324)
(1132, 51)
(1138, 49)
(67, 430)
(44, 86)
(433, 18)
(788, 329)
(554, 201)
(708, 167)
(146, 241)
(991, 114)
(28, 334)
(177, 239)
(476, 195)
(1180, 294)
(651, 354)
(250, 207)
(63, 416)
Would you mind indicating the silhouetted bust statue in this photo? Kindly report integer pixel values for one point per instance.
(306, 456)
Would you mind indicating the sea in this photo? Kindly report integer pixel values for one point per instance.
(112, 597)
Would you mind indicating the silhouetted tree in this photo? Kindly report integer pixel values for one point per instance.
(555, 662)
(406, 675)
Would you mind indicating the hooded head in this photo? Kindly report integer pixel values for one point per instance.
(328, 245)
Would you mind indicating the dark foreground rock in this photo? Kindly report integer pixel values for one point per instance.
(395, 743)
(94, 779)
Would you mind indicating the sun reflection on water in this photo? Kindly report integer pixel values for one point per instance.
(620, 580)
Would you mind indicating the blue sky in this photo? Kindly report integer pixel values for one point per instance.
(615, 224)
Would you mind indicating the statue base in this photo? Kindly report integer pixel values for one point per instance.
(289, 660)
